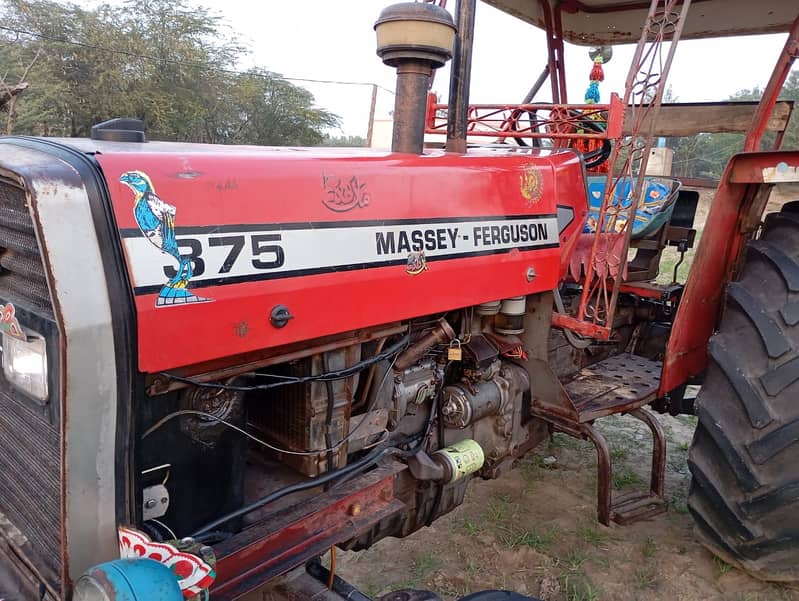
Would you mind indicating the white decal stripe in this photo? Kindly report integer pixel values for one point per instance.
(241, 254)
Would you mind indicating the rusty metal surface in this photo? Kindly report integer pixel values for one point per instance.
(633, 506)
(77, 277)
(290, 537)
(441, 334)
(621, 383)
(532, 121)
(604, 473)
(460, 77)
(413, 79)
(593, 22)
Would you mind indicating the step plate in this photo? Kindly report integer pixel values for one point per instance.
(616, 385)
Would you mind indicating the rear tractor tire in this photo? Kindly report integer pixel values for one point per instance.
(744, 458)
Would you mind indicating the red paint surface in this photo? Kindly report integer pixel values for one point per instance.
(210, 186)
(721, 244)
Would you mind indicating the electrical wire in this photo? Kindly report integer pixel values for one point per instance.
(191, 64)
(362, 464)
(262, 442)
(332, 577)
(324, 377)
(165, 527)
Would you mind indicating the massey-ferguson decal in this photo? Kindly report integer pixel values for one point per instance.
(156, 220)
(230, 254)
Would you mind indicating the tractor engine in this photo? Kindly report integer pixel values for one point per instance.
(448, 392)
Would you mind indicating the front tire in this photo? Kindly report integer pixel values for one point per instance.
(744, 458)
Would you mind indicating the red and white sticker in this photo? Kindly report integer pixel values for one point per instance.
(193, 574)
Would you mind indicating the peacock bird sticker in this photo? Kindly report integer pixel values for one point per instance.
(156, 220)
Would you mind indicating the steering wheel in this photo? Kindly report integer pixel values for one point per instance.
(596, 157)
(592, 159)
(513, 122)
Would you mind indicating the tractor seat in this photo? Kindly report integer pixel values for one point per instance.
(656, 208)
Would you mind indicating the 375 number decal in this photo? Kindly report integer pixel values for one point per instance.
(263, 253)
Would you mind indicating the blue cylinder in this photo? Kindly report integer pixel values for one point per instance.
(128, 580)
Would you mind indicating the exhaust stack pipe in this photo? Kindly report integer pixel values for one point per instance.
(415, 38)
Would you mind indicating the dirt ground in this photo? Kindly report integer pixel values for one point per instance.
(534, 531)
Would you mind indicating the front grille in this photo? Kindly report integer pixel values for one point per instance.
(29, 483)
(22, 279)
(30, 440)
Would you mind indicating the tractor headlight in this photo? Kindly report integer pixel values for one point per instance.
(25, 364)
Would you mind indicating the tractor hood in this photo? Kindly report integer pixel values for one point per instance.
(230, 250)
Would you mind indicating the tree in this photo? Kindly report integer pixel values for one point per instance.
(706, 155)
(351, 141)
(166, 62)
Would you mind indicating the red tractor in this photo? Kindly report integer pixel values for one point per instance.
(219, 362)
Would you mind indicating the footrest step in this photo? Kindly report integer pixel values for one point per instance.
(635, 506)
(616, 385)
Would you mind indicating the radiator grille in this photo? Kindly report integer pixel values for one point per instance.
(29, 483)
(30, 465)
(22, 279)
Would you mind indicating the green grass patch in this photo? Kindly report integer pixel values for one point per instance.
(625, 477)
(564, 441)
(645, 577)
(618, 453)
(650, 548)
(722, 566)
(577, 587)
(513, 538)
(592, 535)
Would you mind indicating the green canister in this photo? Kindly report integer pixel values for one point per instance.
(460, 459)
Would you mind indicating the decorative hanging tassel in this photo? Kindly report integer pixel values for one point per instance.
(597, 74)
(592, 93)
(588, 145)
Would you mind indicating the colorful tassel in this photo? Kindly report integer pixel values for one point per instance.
(592, 93)
(597, 74)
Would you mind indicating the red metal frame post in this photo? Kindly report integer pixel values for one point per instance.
(460, 76)
(555, 61)
(729, 225)
(773, 89)
(560, 55)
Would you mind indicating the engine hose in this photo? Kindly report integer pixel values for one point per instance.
(361, 464)
(573, 339)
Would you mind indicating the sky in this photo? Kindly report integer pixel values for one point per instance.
(335, 40)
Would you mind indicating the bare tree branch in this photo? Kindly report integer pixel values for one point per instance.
(10, 94)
